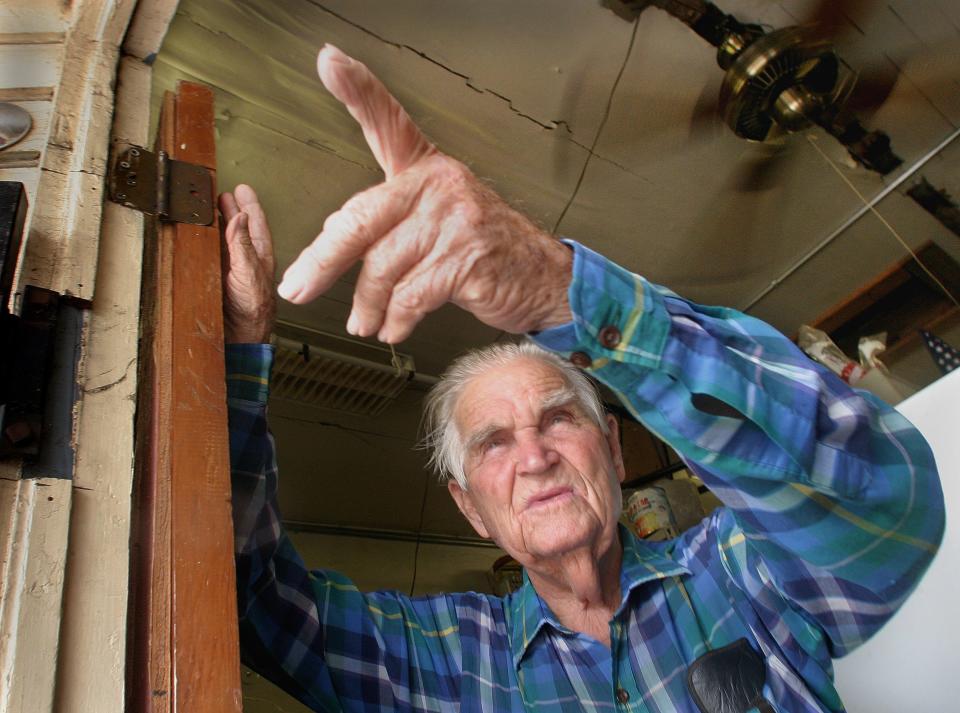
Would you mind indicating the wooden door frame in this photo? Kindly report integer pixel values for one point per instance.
(185, 643)
(65, 544)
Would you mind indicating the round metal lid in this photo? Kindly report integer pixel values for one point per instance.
(15, 122)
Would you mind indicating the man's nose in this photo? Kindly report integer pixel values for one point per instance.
(535, 454)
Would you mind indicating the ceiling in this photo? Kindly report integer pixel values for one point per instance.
(583, 121)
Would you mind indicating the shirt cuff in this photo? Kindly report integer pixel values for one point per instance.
(248, 371)
(617, 315)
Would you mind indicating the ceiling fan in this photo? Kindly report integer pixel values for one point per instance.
(785, 80)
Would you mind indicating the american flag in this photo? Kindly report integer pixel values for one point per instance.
(946, 357)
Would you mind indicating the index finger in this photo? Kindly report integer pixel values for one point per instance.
(395, 140)
(347, 235)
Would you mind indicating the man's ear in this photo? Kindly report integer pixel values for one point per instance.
(464, 501)
(613, 443)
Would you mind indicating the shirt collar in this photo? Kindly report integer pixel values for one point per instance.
(642, 562)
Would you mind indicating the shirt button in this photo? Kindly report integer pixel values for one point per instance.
(622, 695)
(581, 359)
(610, 336)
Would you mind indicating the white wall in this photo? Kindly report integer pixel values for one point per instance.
(911, 664)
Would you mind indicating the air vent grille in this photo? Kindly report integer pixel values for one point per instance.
(315, 374)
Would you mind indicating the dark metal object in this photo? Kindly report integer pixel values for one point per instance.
(871, 149)
(937, 203)
(783, 79)
(791, 79)
(174, 191)
(15, 123)
(13, 213)
(24, 364)
(39, 353)
(55, 455)
(723, 31)
(729, 680)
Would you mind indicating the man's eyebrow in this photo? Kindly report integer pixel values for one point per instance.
(560, 397)
(482, 435)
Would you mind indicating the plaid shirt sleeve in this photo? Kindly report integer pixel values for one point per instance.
(834, 505)
(312, 632)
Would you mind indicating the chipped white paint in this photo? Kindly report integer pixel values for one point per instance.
(67, 637)
(34, 513)
(34, 16)
(63, 233)
(93, 645)
(33, 547)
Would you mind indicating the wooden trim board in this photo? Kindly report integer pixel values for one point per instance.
(188, 650)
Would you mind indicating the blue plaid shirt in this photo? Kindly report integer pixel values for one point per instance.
(833, 510)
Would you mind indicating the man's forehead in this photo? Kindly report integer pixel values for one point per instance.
(500, 393)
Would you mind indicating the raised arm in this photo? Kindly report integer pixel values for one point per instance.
(313, 632)
(833, 498)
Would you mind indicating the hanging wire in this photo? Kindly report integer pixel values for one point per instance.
(883, 220)
(395, 360)
(603, 122)
(416, 549)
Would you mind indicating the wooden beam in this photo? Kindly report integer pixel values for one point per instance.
(191, 643)
(863, 297)
(26, 94)
(31, 38)
(151, 664)
(206, 656)
(148, 28)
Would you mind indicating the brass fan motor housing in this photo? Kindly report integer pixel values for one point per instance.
(783, 80)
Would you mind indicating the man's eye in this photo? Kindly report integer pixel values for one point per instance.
(561, 417)
(491, 444)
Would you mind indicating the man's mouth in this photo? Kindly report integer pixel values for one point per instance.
(549, 497)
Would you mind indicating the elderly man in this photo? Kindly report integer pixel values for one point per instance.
(832, 505)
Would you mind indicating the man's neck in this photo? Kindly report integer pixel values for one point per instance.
(582, 589)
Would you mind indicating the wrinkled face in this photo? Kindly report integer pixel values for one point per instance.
(542, 477)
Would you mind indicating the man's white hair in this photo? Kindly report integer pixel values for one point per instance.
(443, 439)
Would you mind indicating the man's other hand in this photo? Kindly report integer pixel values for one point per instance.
(429, 234)
(249, 305)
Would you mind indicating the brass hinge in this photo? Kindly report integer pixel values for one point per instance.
(174, 191)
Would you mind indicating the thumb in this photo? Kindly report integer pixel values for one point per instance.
(394, 139)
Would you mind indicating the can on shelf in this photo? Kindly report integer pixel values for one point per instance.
(648, 512)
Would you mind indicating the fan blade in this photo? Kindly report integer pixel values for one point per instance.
(763, 171)
(705, 118)
(874, 86)
(832, 18)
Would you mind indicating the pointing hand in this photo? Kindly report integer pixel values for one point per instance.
(430, 233)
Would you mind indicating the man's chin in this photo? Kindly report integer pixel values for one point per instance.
(558, 540)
